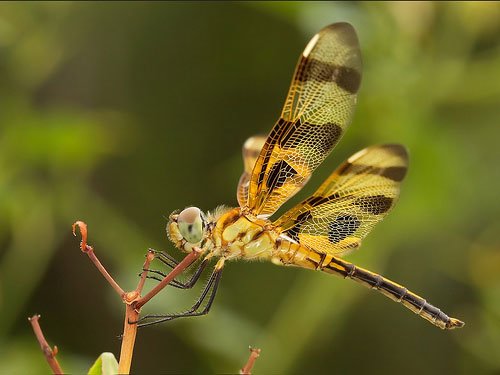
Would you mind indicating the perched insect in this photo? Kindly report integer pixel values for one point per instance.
(316, 233)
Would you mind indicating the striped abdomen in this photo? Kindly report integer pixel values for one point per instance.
(300, 256)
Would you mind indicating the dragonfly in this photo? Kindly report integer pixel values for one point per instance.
(317, 233)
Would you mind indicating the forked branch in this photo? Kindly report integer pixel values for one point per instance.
(132, 299)
(132, 315)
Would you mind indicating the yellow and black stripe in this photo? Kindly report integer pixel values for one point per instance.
(392, 290)
(346, 207)
(317, 110)
(295, 254)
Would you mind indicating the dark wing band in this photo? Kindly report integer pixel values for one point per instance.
(317, 110)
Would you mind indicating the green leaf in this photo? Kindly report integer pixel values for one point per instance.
(106, 364)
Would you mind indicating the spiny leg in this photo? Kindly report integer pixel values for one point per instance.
(165, 258)
(179, 284)
(171, 262)
(210, 290)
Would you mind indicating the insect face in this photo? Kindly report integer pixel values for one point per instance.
(187, 227)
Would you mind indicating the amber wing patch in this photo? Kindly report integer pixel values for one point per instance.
(317, 110)
(350, 202)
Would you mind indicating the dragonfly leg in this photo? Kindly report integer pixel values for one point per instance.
(164, 258)
(209, 291)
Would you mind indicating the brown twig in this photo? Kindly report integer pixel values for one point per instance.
(132, 299)
(128, 340)
(132, 315)
(186, 262)
(149, 258)
(254, 354)
(90, 252)
(134, 304)
(50, 354)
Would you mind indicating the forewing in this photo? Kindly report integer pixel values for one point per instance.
(251, 150)
(350, 202)
(317, 110)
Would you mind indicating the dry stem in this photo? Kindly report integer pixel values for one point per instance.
(132, 315)
(254, 354)
(132, 299)
(90, 252)
(49, 353)
(128, 340)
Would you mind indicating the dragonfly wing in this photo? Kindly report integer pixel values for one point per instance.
(317, 110)
(350, 202)
(251, 150)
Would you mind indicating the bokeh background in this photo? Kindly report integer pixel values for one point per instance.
(119, 113)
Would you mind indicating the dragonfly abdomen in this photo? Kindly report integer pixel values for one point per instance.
(295, 254)
(394, 291)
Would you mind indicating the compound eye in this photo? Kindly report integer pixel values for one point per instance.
(190, 224)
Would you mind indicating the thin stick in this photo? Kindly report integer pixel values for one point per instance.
(132, 315)
(149, 258)
(254, 354)
(50, 354)
(128, 341)
(134, 305)
(90, 252)
(104, 272)
(186, 262)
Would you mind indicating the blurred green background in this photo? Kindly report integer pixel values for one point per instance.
(119, 113)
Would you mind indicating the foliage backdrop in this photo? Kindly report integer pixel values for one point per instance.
(119, 113)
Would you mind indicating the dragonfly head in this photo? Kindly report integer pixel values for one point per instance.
(187, 228)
